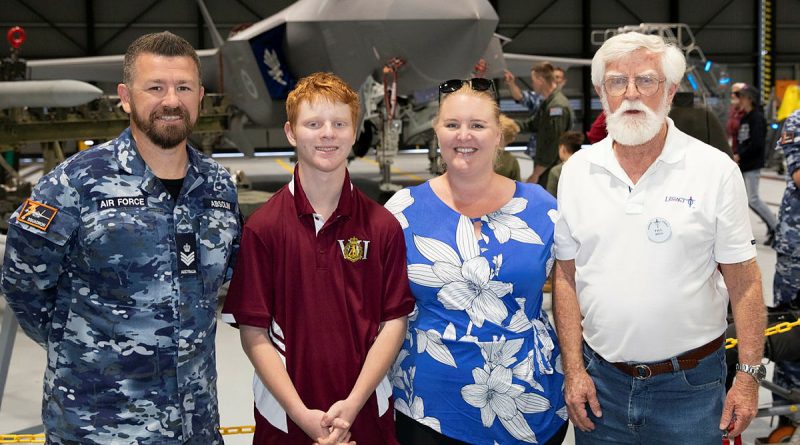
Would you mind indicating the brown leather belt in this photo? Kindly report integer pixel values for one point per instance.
(687, 360)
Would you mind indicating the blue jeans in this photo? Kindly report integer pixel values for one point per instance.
(682, 407)
(751, 179)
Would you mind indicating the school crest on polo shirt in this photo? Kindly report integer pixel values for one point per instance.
(354, 249)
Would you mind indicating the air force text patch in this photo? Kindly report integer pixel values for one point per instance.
(220, 204)
(36, 214)
(121, 201)
(187, 254)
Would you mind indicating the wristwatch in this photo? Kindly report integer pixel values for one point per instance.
(757, 372)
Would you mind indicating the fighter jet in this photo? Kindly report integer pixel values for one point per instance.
(385, 48)
(422, 42)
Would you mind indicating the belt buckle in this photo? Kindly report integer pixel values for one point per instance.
(643, 372)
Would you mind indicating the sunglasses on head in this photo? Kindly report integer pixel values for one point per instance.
(476, 83)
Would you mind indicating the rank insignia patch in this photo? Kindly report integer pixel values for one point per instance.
(187, 254)
(354, 250)
(36, 214)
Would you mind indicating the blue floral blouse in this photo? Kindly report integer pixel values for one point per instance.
(480, 362)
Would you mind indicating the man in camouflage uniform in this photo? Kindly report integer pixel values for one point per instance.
(786, 284)
(114, 262)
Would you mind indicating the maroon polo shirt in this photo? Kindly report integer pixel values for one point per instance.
(321, 296)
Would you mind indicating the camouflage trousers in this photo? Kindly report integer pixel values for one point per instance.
(784, 350)
(787, 374)
(195, 440)
(786, 284)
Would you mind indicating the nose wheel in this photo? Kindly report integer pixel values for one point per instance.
(784, 434)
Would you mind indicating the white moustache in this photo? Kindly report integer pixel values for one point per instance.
(631, 105)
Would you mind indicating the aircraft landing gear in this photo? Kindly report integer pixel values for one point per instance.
(784, 434)
(390, 138)
(386, 153)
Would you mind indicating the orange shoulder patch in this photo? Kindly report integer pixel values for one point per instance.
(36, 214)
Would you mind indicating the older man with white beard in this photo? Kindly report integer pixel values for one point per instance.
(653, 242)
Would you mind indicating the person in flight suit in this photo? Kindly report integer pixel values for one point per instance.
(114, 263)
(553, 117)
(532, 100)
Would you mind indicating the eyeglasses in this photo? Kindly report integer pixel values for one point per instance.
(645, 85)
(476, 83)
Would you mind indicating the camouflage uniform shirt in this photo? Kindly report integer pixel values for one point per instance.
(532, 101)
(119, 284)
(786, 283)
(787, 236)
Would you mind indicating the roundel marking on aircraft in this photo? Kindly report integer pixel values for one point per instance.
(249, 85)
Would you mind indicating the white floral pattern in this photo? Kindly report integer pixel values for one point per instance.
(478, 336)
(416, 410)
(500, 352)
(507, 226)
(466, 285)
(430, 341)
(496, 396)
(399, 202)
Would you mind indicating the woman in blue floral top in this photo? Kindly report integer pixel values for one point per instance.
(480, 363)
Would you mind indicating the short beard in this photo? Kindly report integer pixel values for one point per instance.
(635, 130)
(170, 136)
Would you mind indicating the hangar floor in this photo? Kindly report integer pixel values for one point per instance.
(20, 410)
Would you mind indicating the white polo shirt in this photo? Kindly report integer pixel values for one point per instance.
(646, 254)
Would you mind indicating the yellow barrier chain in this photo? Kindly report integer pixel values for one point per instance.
(247, 429)
(772, 330)
(39, 438)
(21, 438)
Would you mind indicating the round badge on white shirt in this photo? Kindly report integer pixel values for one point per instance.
(658, 230)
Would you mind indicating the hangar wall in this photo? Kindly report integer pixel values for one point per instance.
(726, 30)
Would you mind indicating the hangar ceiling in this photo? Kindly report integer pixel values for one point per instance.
(725, 29)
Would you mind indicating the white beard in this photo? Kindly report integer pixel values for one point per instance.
(634, 130)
